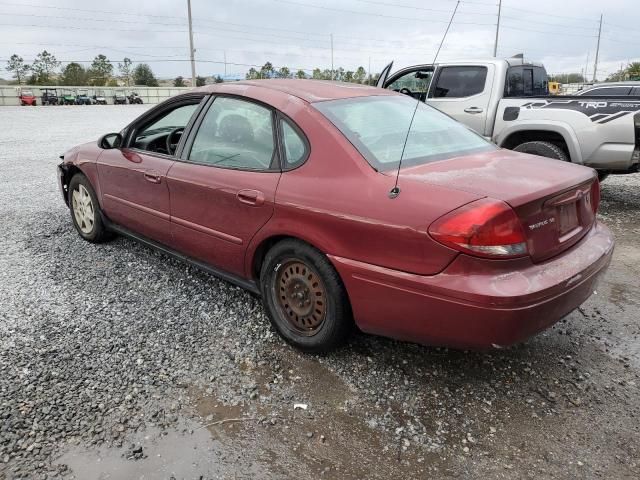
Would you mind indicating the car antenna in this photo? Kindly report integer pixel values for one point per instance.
(395, 191)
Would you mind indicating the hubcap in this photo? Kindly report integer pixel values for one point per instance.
(301, 296)
(83, 209)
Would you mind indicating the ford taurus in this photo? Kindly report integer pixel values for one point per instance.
(344, 205)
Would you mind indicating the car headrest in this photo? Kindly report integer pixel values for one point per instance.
(235, 128)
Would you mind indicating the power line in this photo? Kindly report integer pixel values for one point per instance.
(413, 7)
(548, 33)
(322, 46)
(550, 24)
(547, 14)
(373, 14)
(65, 17)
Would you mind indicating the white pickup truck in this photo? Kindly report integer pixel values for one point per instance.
(507, 101)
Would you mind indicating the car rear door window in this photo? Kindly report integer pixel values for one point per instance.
(235, 134)
(459, 82)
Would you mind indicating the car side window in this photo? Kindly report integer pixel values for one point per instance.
(414, 83)
(152, 136)
(295, 149)
(526, 81)
(235, 134)
(460, 82)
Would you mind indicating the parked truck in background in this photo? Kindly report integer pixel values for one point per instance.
(508, 102)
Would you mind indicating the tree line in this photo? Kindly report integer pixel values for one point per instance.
(358, 75)
(630, 72)
(45, 71)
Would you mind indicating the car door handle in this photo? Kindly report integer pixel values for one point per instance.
(473, 110)
(250, 197)
(153, 177)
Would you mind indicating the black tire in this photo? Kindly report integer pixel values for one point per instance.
(337, 321)
(602, 175)
(97, 233)
(543, 149)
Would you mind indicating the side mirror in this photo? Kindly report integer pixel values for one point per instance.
(110, 140)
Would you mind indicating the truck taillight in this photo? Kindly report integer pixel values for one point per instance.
(485, 228)
(595, 195)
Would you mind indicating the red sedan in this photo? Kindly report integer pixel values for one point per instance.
(347, 205)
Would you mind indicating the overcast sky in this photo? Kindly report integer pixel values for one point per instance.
(296, 33)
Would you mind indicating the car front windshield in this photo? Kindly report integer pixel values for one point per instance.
(377, 126)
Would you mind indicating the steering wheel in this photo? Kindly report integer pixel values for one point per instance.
(171, 146)
(406, 91)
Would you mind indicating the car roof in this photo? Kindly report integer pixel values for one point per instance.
(305, 89)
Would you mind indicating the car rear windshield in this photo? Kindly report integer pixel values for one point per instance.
(377, 126)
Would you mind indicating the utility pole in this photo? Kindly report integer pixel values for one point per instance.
(191, 49)
(369, 72)
(332, 74)
(595, 65)
(225, 64)
(495, 45)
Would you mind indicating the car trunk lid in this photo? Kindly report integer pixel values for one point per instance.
(552, 198)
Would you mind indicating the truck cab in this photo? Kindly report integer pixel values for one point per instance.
(507, 101)
(469, 91)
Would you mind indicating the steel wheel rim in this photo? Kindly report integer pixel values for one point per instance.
(83, 209)
(301, 297)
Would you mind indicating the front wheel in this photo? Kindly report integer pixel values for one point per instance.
(85, 210)
(304, 297)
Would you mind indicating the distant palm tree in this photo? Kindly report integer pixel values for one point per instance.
(633, 70)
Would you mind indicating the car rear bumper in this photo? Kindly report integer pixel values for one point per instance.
(476, 303)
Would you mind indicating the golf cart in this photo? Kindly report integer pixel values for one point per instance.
(68, 97)
(119, 97)
(133, 97)
(82, 97)
(49, 96)
(27, 97)
(99, 98)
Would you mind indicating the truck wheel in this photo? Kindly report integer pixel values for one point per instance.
(304, 297)
(543, 149)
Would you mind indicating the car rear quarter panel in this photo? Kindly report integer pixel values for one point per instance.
(339, 204)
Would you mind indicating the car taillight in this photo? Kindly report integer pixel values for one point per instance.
(595, 195)
(485, 228)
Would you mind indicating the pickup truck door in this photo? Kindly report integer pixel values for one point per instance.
(464, 93)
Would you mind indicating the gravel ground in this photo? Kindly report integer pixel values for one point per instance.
(117, 362)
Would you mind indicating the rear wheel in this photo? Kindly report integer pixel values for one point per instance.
(85, 210)
(543, 149)
(304, 297)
